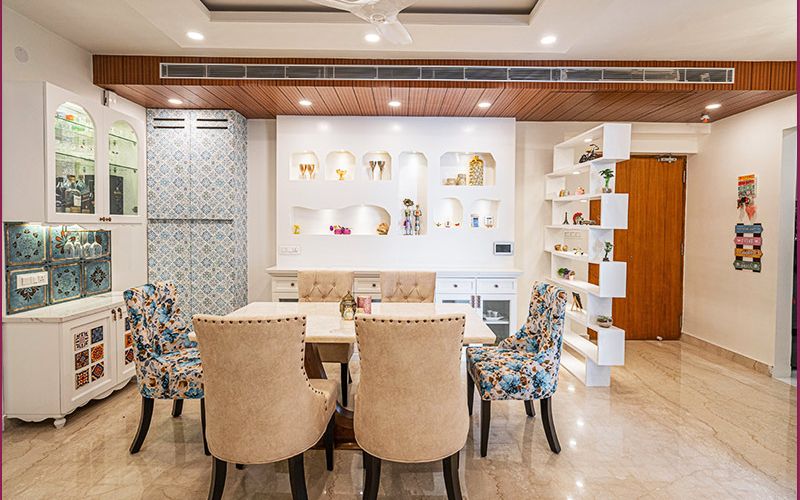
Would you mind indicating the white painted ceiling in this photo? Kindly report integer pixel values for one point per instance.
(586, 29)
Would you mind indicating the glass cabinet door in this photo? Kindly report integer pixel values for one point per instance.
(496, 312)
(75, 151)
(123, 169)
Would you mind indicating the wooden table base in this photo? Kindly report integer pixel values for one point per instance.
(344, 435)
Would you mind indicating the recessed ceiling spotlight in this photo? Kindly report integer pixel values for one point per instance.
(714, 106)
(304, 102)
(372, 37)
(587, 140)
(194, 35)
(175, 101)
(548, 40)
(484, 104)
(394, 104)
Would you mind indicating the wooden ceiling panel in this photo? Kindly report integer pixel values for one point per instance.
(756, 83)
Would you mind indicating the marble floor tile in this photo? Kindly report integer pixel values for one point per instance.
(677, 422)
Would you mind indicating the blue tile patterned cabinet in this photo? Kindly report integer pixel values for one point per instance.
(60, 357)
(197, 207)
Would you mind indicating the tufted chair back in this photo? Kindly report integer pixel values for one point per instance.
(544, 329)
(407, 286)
(411, 404)
(323, 286)
(260, 405)
(155, 319)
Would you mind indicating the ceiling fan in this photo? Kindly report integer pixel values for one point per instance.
(381, 13)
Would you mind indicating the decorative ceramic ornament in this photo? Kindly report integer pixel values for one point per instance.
(296, 229)
(347, 307)
(476, 171)
(580, 190)
(341, 173)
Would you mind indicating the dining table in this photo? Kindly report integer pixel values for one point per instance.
(325, 325)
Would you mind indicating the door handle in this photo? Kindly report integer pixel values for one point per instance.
(113, 314)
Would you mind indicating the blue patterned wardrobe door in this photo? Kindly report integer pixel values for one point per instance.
(26, 244)
(96, 276)
(22, 299)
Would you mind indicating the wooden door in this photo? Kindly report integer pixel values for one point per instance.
(652, 247)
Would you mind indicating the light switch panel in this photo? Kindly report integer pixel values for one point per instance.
(28, 280)
(290, 250)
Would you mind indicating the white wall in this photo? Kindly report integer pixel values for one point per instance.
(261, 137)
(736, 309)
(54, 59)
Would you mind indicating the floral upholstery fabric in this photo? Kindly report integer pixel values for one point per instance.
(525, 365)
(167, 361)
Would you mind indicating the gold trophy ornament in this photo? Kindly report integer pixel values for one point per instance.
(476, 171)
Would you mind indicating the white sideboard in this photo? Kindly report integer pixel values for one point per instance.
(485, 290)
(60, 357)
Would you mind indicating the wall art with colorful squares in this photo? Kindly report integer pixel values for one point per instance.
(77, 262)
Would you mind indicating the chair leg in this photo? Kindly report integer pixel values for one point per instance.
(144, 425)
(451, 481)
(203, 425)
(297, 478)
(373, 477)
(219, 470)
(529, 409)
(470, 391)
(549, 426)
(345, 377)
(177, 407)
(486, 417)
(328, 439)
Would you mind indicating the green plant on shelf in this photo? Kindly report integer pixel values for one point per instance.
(566, 273)
(607, 174)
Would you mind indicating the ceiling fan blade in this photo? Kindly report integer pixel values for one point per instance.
(394, 31)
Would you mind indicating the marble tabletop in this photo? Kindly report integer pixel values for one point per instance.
(324, 324)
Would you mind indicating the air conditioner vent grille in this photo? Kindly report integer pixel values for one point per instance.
(448, 73)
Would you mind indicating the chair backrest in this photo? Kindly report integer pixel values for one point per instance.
(411, 403)
(407, 286)
(156, 321)
(544, 329)
(323, 286)
(260, 406)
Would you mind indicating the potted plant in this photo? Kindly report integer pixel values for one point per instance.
(566, 273)
(604, 321)
(607, 175)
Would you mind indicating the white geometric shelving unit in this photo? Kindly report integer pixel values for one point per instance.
(589, 360)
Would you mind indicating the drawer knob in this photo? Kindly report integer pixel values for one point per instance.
(496, 285)
(455, 286)
(291, 284)
(374, 285)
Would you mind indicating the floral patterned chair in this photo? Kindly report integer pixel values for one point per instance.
(523, 366)
(167, 361)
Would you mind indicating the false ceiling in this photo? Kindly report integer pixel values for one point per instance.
(722, 30)
(139, 78)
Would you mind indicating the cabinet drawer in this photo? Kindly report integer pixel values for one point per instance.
(455, 285)
(497, 286)
(284, 285)
(367, 285)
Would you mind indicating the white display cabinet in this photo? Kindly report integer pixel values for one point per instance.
(91, 158)
(60, 357)
(574, 189)
(417, 154)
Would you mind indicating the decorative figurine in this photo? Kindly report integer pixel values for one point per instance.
(593, 152)
(447, 224)
(607, 175)
(457, 224)
(296, 229)
(341, 172)
(461, 180)
(347, 307)
(566, 273)
(383, 229)
(476, 171)
(417, 220)
(580, 190)
(438, 224)
(557, 246)
(608, 247)
(604, 321)
(577, 218)
(340, 229)
(488, 221)
(563, 193)
(566, 220)
(475, 220)
(408, 226)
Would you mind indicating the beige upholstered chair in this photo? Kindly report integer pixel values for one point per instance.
(410, 405)
(407, 286)
(329, 286)
(260, 405)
